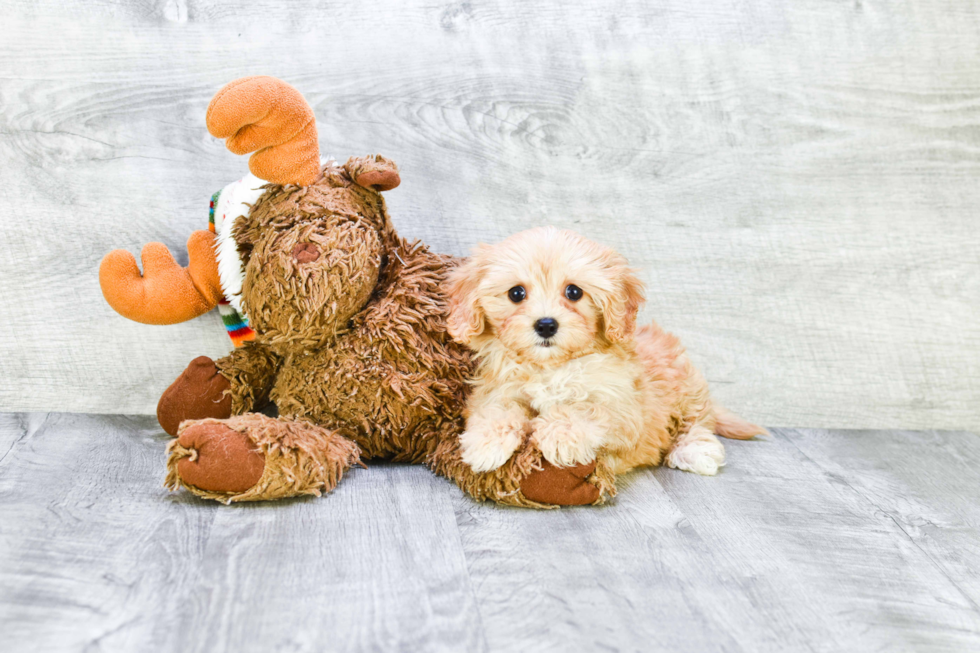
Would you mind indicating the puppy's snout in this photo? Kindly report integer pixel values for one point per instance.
(306, 253)
(546, 327)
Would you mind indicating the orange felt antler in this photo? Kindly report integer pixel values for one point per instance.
(165, 293)
(267, 116)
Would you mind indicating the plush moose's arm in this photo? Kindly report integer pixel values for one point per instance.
(269, 117)
(251, 371)
(164, 293)
(238, 383)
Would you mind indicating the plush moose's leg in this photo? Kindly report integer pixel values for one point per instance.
(254, 458)
(526, 479)
(232, 385)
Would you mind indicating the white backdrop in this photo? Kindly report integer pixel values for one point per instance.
(798, 180)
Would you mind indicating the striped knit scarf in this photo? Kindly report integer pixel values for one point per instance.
(236, 323)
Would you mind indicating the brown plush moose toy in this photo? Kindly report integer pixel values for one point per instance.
(341, 325)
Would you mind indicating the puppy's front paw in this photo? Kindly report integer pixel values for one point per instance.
(486, 445)
(567, 442)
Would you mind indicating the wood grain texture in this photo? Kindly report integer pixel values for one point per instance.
(777, 553)
(797, 180)
(96, 555)
(933, 502)
(812, 540)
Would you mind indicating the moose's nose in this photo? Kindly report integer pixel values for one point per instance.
(306, 253)
(546, 327)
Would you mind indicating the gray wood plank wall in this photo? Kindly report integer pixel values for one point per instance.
(797, 179)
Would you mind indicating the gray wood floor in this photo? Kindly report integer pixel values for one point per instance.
(812, 540)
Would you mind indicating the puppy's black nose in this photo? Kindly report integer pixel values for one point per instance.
(546, 327)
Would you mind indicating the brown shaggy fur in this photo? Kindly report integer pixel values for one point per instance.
(351, 339)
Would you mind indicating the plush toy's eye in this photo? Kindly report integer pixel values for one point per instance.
(573, 292)
(517, 294)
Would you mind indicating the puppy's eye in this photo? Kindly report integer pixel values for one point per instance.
(517, 294)
(573, 292)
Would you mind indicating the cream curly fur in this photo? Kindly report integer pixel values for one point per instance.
(598, 386)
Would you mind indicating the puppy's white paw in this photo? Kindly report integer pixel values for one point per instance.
(698, 451)
(486, 445)
(567, 442)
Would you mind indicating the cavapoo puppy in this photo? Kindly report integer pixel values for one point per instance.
(551, 317)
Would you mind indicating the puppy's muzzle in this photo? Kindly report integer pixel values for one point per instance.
(546, 327)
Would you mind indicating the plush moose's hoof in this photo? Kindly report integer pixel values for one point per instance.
(561, 486)
(222, 459)
(198, 393)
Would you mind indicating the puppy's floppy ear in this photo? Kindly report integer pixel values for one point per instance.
(466, 318)
(619, 307)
